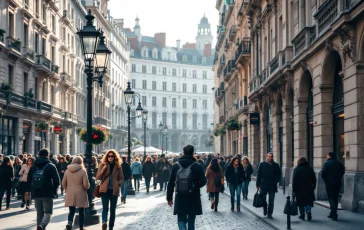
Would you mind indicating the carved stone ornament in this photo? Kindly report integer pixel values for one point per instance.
(347, 37)
(282, 90)
(303, 66)
(289, 80)
(328, 46)
(272, 97)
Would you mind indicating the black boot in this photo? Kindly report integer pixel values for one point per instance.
(232, 206)
(216, 203)
(27, 207)
(309, 216)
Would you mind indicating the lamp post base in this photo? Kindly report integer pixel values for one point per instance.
(89, 220)
(131, 190)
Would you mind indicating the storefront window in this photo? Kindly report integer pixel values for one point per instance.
(7, 136)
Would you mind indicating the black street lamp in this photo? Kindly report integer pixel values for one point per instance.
(93, 48)
(161, 137)
(145, 117)
(129, 96)
(166, 135)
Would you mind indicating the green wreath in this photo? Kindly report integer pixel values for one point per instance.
(98, 135)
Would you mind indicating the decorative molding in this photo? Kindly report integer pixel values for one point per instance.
(303, 66)
(328, 46)
(347, 36)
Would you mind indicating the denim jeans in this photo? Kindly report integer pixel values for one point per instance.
(147, 182)
(163, 184)
(136, 181)
(44, 207)
(155, 181)
(245, 187)
(124, 189)
(107, 198)
(72, 212)
(13, 188)
(2, 193)
(235, 189)
(303, 208)
(263, 194)
(186, 221)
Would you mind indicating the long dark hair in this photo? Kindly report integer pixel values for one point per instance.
(214, 165)
(5, 162)
(234, 159)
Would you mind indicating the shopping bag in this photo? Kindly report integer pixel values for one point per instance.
(293, 209)
(257, 202)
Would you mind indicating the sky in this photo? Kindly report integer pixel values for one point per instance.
(177, 18)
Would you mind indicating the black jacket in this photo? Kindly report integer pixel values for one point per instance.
(332, 173)
(163, 170)
(304, 184)
(190, 203)
(51, 175)
(126, 170)
(232, 177)
(17, 169)
(61, 167)
(248, 172)
(148, 169)
(6, 177)
(268, 176)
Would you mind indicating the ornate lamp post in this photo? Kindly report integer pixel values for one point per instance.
(96, 57)
(129, 96)
(145, 117)
(161, 137)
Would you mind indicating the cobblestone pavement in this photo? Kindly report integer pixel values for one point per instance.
(143, 211)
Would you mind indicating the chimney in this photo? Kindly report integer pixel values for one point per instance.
(207, 50)
(160, 38)
(120, 23)
(178, 44)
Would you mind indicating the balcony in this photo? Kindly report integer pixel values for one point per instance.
(70, 117)
(304, 39)
(43, 64)
(243, 104)
(81, 120)
(274, 64)
(218, 4)
(65, 47)
(66, 79)
(230, 7)
(14, 45)
(229, 69)
(57, 112)
(232, 32)
(2, 32)
(16, 100)
(220, 37)
(66, 18)
(102, 121)
(30, 103)
(227, 45)
(44, 107)
(28, 54)
(243, 51)
(242, 8)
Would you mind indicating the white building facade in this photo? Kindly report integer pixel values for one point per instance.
(175, 85)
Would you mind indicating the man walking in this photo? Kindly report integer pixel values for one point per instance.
(44, 178)
(127, 174)
(188, 177)
(269, 174)
(332, 173)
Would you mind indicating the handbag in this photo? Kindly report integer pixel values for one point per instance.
(257, 202)
(292, 207)
(97, 189)
(217, 181)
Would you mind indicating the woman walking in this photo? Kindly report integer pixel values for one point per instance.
(76, 184)
(61, 167)
(148, 170)
(17, 167)
(136, 171)
(163, 172)
(6, 180)
(215, 181)
(24, 186)
(248, 170)
(235, 176)
(303, 187)
(111, 176)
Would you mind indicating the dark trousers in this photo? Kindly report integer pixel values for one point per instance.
(136, 181)
(215, 195)
(107, 198)
(72, 212)
(8, 193)
(186, 221)
(147, 182)
(13, 188)
(163, 184)
(333, 197)
(263, 194)
(155, 181)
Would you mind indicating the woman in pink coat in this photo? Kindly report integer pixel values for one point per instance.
(75, 184)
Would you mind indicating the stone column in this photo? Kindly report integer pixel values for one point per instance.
(263, 137)
(353, 197)
(287, 143)
(300, 128)
(254, 144)
(18, 138)
(31, 136)
(275, 127)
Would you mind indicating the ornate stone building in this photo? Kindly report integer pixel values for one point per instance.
(305, 88)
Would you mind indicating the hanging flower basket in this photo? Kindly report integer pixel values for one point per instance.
(99, 135)
(222, 130)
(43, 126)
(216, 132)
(78, 131)
(233, 125)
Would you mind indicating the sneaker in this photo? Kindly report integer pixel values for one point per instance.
(69, 226)
(27, 207)
(104, 226)
(309, 216)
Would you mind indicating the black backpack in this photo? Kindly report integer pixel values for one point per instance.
(184, 180)
(39, 180)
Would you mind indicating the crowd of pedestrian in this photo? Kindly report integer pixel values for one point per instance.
(27, 178)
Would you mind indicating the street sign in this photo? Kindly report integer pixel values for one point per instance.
(254, 118)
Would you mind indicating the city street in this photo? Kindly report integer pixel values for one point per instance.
(143, 211)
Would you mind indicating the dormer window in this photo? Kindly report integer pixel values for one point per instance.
(184, 58)
(155, 54)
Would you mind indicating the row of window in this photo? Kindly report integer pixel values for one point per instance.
(167, 71)
(174, 102)
(174, 86)
(195, 121)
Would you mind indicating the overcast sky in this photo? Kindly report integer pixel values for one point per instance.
(178, 18)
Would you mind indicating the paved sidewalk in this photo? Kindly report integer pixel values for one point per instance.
(142, 211)
(347, 220)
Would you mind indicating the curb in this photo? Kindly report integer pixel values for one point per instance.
(255, 214)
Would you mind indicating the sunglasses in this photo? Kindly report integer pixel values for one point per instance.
(110, 156)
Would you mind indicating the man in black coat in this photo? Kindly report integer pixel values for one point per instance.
(187, 206)
(127, 174)
(269, 174)
(44, 197)
(332, 173)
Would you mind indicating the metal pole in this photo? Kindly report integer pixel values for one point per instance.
(288, 204)
(208, 141)
(162, 140)
(166, 143)
(145, 140)
(88, 156)
(130, 187)
(284, 185)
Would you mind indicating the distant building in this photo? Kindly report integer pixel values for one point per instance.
(175, 84)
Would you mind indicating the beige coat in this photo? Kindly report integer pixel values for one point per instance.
(117, 178)
(75, 183)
